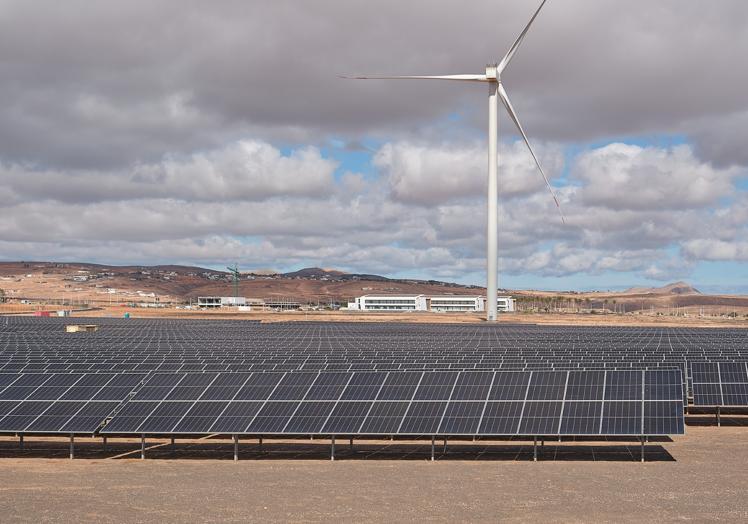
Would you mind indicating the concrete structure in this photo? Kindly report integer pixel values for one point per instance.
(389, 303)
(433, 303)
(216, 302)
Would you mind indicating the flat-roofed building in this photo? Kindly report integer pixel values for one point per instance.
(389, 303)
(451, 303)
(216, 302)
(433, 303)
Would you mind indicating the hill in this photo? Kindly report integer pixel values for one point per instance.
(676, 288)
(98, 284)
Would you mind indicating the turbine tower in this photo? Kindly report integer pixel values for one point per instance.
(496, 91)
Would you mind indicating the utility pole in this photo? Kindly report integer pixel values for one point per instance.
(235, 272)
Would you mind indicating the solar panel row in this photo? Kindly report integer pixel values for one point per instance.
(407, 403)
(402, 403)
(61, 403)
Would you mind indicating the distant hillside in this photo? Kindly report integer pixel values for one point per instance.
(95, 282)
(676, 288)
(99, 284)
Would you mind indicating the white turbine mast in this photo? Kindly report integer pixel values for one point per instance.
(496, 90)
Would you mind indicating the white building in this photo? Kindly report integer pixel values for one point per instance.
(215, 302)
(433, 303)
(454, 303)
(505, 304)
(389, 303)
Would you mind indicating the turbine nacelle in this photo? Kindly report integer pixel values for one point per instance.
(492, 73)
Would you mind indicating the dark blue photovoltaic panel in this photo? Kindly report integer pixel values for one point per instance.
(472, 385)
(541, 418)
(436, 386)
(547, 385)
(585, 385)
(309, 418)
(501, 418)
(55, 417)
(364, 386)
(622, 418)
(236, 417)
(623, 385)
(384, 418)
(510, 385)
(89, 418)
(22, 415)
(423, 418)
(663, 418)
(293, 386)
(393, 402)
(164, 417)
(462, 418)
(200, 417)
(328, 386)
(581, 418)
(347, 417)
(400, 386)
(273, 417)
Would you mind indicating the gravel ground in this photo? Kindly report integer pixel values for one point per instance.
(699, 477)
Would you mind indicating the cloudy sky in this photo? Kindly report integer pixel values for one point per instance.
(205, 133)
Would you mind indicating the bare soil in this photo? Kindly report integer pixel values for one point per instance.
(698, 477)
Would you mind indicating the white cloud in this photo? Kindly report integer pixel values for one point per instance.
(428, 174)
(248, 170)
(713, 249)
(620, 176)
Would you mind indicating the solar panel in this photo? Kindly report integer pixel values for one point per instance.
(60, 403)
(720, 384)
(440, 403)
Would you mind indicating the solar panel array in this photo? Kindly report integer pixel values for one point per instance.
(188, 370)
(720, 384)
(61, 403)
(419, 403)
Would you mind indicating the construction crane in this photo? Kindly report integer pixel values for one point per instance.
(235, 273)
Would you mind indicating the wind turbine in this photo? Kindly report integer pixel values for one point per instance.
(496, 90)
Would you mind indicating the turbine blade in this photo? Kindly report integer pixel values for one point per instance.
(464, 78)
(505, 100)
(510, 54)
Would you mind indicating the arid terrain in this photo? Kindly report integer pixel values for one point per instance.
(698, 477)
(114, 290)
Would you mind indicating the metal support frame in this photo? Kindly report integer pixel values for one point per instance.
(535, 449)
(445, 446)
(236, 448)
(433, 444)
(259, 442)
(332, 448)
(104, 442)
(72, 446)
(20, 440)
(142, 446)
(719, 422)
(351, 444)
(642, 457)
(172, 442)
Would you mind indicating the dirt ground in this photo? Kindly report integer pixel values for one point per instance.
(698, 477)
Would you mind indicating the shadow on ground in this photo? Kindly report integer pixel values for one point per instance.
(214, 449)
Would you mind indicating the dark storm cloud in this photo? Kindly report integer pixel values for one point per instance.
(105, 84)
